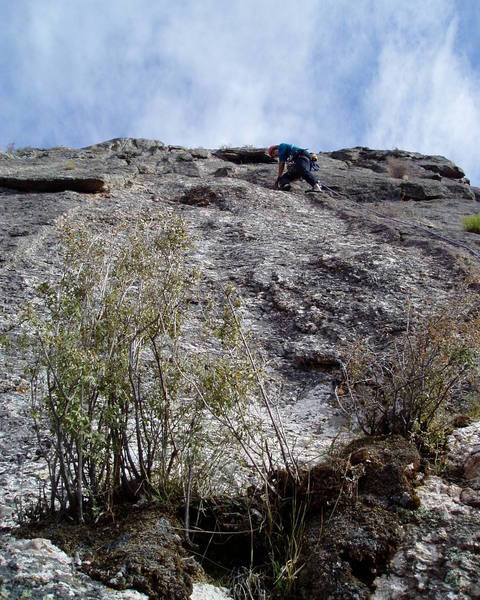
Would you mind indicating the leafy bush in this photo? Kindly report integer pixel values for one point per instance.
(407, 387)
(472, 223)
(132, 404)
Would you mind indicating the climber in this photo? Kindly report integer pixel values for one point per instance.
(300, 166)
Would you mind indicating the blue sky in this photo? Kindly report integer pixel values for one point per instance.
(325, 74)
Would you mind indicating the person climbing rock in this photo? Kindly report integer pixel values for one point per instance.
(299, 166)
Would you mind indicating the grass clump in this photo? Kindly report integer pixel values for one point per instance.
(471, 223)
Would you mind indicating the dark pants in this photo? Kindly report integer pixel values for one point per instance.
(299, 169)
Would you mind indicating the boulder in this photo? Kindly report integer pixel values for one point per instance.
(463, 461)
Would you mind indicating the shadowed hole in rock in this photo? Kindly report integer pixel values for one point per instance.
(244, 155)
(363, 570)
(202, 196)
(86, 186)
(225, 530)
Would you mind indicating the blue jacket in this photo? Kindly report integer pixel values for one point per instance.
(287, 151)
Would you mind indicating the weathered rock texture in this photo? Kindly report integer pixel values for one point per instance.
(37, 569)
(440, 553)
(141, 549)
(315, 272)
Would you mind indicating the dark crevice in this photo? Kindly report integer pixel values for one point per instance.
(244, 156)
(85, 186)
(362, 570)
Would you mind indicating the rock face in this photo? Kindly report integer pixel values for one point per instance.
(439, 556)
(38, 569)
(145, 554)
(362, 533)
(315, 272)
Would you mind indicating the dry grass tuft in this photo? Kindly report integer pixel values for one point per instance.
(398, 168)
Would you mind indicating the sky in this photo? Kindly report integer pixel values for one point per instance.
(322, 74)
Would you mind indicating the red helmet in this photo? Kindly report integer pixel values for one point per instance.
(272, 149)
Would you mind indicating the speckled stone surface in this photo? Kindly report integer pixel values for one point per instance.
(314, 271)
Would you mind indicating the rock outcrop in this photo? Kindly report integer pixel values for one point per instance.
(439, 553)
(316, 272)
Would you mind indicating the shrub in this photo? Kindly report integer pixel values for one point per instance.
(398, 168)
(472, 223)
(133, 405)
(407, 387)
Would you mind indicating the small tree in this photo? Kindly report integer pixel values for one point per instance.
(141, 384)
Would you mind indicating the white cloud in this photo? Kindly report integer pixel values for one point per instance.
(426, 97)
(323, 74)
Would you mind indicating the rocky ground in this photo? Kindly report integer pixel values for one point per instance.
(316, 273)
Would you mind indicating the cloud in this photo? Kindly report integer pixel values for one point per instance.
(426, 97)
(324, 74)
(244, 71)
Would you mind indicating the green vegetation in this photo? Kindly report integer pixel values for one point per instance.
(285, 539)
(472, 223)
(409, 386)
(132, 408)
(473, 409)
(142, 387)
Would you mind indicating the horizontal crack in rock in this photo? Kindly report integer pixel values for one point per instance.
(87, 185)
